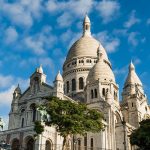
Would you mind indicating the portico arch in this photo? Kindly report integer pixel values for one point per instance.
(15, 144)
(48, 145)
(29, 143)
(119, 131)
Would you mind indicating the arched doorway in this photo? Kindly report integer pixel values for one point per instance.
(15, 144)
(48, 145)
(30, 144)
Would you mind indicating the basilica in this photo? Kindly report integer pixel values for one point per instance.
(87, 77)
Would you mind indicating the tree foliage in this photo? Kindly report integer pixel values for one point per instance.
(141, 136)
(69, 117)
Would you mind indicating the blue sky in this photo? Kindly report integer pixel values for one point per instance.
(34, 32)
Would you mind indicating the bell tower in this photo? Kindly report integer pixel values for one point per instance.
(134, 101)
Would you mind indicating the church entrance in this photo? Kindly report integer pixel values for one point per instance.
(48, 145)
(15, 144)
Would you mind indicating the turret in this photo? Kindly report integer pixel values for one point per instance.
(36, 80)
(14, 108)
(59, 85)
(17, 92)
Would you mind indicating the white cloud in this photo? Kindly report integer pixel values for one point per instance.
(70, 10)
(7, 85)
(132, 38)
(64, 20)
(6, 96)
(121, 71)
(38, 43)
(108, 10)
(65, 37)
(11, 35)
(109, 42)
(136, 61)
(72, 6)
(5, 81)
(148, 21)
(35, 45)
(22, 13)
(132, 20)
(17, 14)
(45, 61)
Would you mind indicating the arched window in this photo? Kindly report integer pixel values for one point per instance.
(92, 94)
(79, 144)
(48, 145)
(36, 84)
(15, 145)
(33, 108)
(67, 86)
(86, 27)
(22, 117)
(22, 122)
(95, 93)
(81, 83)
(92, 144)
(73, 84)
(103, 92)
(145, 108)
(132, 104)
(85, 142)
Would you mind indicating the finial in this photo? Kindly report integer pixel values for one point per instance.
(131, 66)
(86, 19)
(40, 69)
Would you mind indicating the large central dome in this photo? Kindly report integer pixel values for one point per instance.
(85, 46)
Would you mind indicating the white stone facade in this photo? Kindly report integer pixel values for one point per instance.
(87, 77)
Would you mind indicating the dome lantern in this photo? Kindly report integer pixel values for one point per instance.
(86, 26)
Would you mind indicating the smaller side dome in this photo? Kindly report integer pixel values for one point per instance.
(101, 70)
(59, 77)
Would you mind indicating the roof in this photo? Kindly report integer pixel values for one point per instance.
(132, 77)
(58, 77)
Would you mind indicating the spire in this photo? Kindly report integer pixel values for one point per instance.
(86, 26)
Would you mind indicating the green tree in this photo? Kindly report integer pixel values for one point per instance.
(141, 136)
(69, 118)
